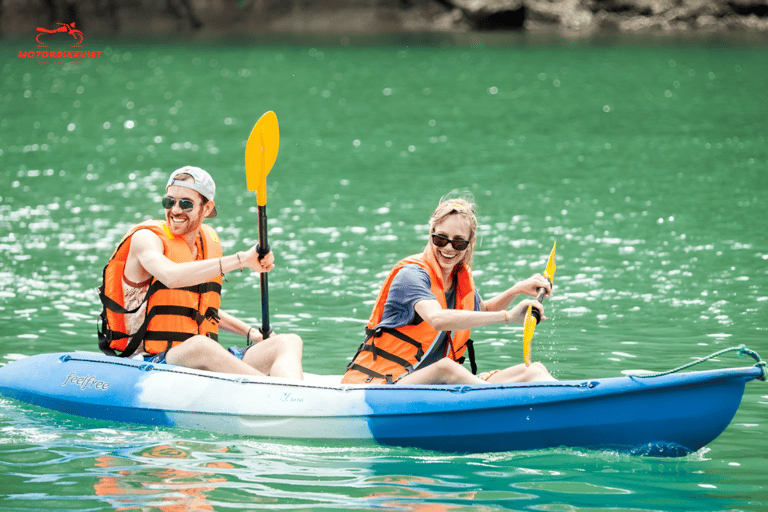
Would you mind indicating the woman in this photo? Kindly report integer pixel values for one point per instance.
(420, 325)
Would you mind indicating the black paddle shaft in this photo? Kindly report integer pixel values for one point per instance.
(535, 312)
(263, 249)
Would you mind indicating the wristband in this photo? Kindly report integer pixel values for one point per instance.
(221, 270)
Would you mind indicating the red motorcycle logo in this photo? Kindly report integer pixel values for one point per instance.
(69, 28)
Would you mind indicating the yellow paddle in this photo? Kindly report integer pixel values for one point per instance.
(532, 316)
(260, 155)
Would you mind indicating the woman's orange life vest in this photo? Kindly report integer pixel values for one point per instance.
(173, 314)
(389, 354)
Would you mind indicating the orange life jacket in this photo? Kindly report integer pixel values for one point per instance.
(389, 354)
(173, 314)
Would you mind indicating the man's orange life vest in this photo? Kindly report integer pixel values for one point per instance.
(173, 314)
(388, 354)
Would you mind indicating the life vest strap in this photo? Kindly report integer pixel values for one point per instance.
(112, 305)
(173, 310)
(371, 374)
(107, 335)
(376, 351)
(202, 288)
(470, 344)
(375, 333)
(171, 336)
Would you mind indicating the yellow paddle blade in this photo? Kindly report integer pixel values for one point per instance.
(529, 326)
(260, 154)
(549, 272)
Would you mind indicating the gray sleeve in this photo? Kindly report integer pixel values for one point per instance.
(409, 286)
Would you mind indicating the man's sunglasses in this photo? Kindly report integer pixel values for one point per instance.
(185, 204)
(442, 241)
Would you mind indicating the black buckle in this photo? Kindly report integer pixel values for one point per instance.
(211, 314)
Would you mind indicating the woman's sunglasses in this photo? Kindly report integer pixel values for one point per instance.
(185, 204)
(442, 241)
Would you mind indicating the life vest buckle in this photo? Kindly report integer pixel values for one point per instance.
(211, 314)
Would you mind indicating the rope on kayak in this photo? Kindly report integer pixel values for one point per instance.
(741, 350)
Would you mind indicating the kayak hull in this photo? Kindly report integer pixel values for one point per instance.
(666, 415)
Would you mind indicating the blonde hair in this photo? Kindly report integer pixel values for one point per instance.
(463, 205)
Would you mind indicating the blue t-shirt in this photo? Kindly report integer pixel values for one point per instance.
(410, 286)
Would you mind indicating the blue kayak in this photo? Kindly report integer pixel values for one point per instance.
(671, 414)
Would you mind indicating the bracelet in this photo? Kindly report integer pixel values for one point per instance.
(221, 269)
(248, 335)
(239, 263)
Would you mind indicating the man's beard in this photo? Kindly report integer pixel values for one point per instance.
(190, 227)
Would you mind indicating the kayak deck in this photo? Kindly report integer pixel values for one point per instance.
(662, 415)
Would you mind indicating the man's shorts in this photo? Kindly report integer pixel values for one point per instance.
(238, 352)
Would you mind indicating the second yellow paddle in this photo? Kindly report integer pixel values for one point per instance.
(532, 316)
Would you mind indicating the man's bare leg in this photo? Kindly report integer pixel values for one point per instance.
(203, 353)
(277, 356)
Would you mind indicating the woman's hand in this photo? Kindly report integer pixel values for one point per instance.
(517, 314)
(251, 260)
(531, 286)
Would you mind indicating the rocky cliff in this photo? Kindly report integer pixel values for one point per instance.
(247, 17)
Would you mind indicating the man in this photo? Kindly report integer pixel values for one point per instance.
(162, 291)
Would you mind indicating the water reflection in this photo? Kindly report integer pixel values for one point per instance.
(168, 489)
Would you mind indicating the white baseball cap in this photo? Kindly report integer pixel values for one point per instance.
(203, 183)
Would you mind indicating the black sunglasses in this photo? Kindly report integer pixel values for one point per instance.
(442, 241)
(185, 204)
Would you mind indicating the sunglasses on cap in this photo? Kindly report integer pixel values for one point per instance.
(442, 241)
(185, 204)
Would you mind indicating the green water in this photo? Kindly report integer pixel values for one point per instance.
(646, 162)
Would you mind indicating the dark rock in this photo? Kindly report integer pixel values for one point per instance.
(757, 8)
(493, 14)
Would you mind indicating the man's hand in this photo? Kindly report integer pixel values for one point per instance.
(251, 260)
